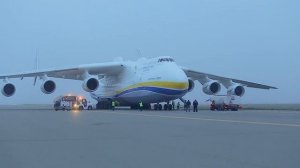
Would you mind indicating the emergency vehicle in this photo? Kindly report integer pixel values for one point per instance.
(72, 103)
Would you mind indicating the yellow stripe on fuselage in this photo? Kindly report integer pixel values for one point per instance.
(160, 84)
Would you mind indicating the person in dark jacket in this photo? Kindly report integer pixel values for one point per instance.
(195, 105)
(188, 106)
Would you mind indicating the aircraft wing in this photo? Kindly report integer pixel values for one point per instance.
(195, 75)
(74, 73)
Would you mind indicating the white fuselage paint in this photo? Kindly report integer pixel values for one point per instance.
(147, 80)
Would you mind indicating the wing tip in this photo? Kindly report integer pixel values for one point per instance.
(272, 87)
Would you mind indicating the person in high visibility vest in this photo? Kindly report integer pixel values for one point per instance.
(113, 105)
(141, 105)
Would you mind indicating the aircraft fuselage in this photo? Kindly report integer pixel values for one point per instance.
(149, 81)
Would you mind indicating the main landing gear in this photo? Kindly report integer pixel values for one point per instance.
(165, 107)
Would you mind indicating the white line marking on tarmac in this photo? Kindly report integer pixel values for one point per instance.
(206, 119)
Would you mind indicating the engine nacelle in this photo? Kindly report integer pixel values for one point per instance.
(90, 84)
(211, 88)
(8, 89)
(236, 90)
(48, 86)
(191, 85)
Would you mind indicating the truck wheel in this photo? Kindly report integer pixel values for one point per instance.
(90, 108)
(80, 108)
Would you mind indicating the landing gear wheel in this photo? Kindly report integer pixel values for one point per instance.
(135, 107)
(147, 106)
(170, 107)
(98, 106)
(156, 107)
(160, 107)
(103, 105)
(165, 107)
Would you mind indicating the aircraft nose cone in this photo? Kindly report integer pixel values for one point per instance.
(178, 77)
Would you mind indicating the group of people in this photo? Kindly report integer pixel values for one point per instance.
(187, 105)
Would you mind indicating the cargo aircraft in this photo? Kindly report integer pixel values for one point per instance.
(151, 80)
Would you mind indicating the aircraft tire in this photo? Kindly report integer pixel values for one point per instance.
(159, 107)
(165, 107)
(170, 107)
(155, 107)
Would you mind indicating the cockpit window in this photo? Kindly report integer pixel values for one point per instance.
(166, 60)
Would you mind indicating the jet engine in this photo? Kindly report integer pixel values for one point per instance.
(90, 84)
(191, 85)
(8, 89)
(237, 90)
(211, 88)
(48, 86)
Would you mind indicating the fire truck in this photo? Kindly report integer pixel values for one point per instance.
(72, 103)
(224, 103)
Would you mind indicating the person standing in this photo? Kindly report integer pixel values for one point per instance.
(113, 105)
(188, 106)
(173, 105)
(141, 105)
(185, 106)
(195, 105)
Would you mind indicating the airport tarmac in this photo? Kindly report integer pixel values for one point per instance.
(133, 139)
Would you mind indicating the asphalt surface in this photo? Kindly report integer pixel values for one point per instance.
(133, 139)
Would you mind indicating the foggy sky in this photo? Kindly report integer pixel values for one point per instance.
(254, 40)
